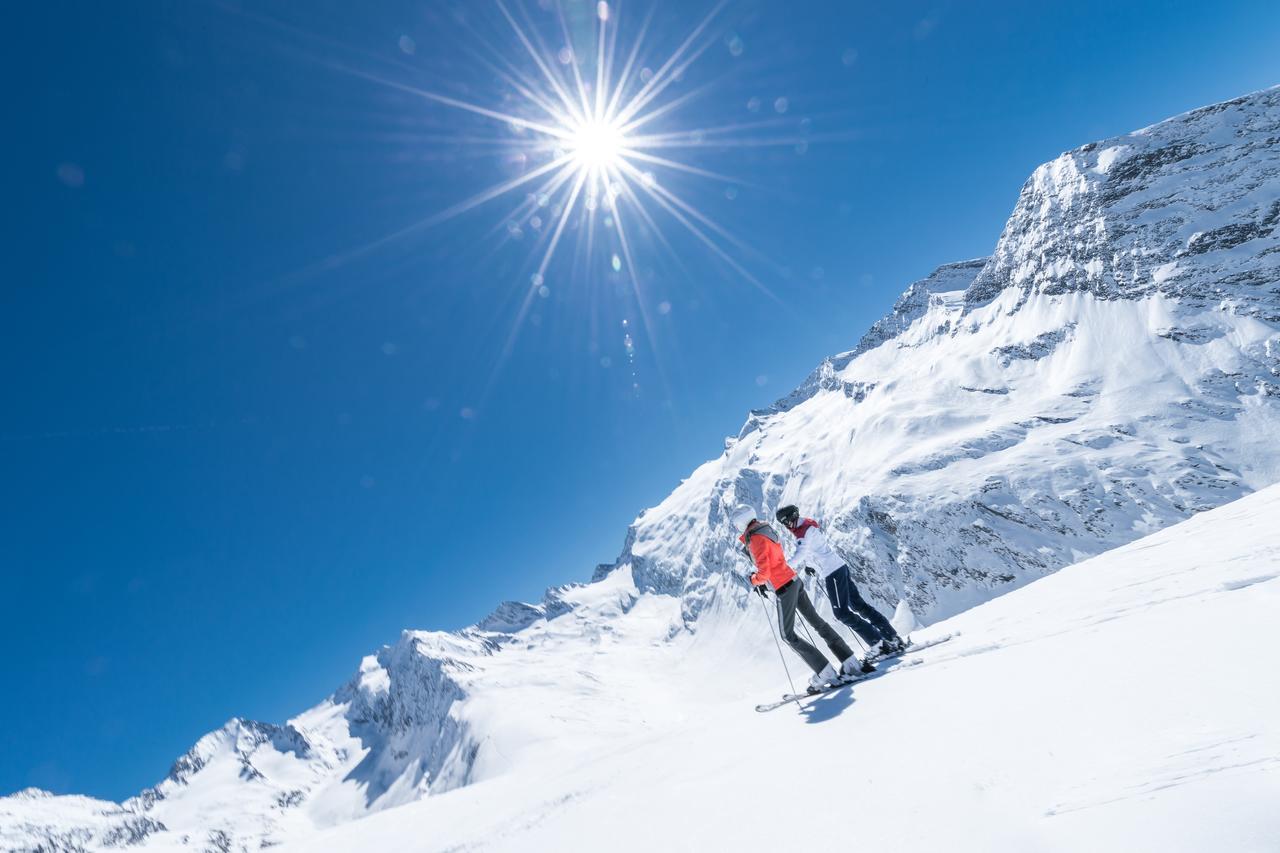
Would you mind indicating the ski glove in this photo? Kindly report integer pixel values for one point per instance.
(810, 571)
(764, 593)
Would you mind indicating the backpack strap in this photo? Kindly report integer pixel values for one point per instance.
(762, 529)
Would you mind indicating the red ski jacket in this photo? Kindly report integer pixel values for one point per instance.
(771, 566)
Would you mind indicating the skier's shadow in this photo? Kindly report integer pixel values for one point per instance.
(828, 706)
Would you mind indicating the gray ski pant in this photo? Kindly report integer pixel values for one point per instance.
(791, 598)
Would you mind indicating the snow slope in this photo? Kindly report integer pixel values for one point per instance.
(1126, 703)
(1113, 368)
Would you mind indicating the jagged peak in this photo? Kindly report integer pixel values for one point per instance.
(1157, 210)
(416, 656)
(240, 737)
(32, 794)
(1259, 95)
(913, 302)
(512, 616)
(953, 277)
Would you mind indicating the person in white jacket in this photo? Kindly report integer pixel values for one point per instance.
(816, 556)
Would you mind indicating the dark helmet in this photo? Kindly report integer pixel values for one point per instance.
(788, 515)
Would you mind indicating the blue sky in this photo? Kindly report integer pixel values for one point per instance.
(234, 464)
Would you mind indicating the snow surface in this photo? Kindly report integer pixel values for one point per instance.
(1126, 703)
(1112, 369)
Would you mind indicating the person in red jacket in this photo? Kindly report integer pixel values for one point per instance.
(815, 555)
(760, 544)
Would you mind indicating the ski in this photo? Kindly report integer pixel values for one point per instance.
(796, 697)
(916, 647)
(894, 662)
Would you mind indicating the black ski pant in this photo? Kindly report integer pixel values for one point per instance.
(851, 609)
(792, 597)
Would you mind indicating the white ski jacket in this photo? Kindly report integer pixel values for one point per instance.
(813, 550)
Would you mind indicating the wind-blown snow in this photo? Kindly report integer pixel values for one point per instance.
(1112, 369)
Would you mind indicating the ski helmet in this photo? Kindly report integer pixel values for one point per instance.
(788, 515)
(741, 516)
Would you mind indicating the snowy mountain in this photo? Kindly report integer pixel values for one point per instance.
(1113, 368)
(1127, 703)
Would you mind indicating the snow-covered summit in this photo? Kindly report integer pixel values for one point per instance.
(942, 284)
(1186, 208)
(1113, 368)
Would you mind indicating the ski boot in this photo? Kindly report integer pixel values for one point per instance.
(822, 680)
(853, 669)
(891, 646)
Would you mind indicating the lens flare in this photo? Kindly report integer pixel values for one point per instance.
(593, 129)
(589, 118)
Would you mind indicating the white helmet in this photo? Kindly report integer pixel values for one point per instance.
(742, 515)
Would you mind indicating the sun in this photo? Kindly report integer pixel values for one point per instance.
(587, 123)
(597, 145)
(587, 126)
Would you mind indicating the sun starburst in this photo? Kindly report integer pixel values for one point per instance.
(603, 139)
(591, 121)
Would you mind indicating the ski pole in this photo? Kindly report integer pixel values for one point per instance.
(776, 641)
(805, 628)
(804, 623)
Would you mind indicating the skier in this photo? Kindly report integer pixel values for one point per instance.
(815, 555)
(760, 544)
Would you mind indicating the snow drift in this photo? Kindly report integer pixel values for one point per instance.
(1113, 368)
